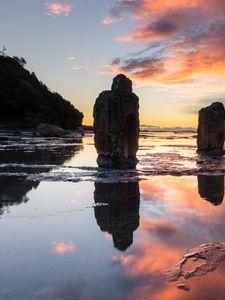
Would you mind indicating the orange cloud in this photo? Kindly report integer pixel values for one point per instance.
(183, 40)
(63, 248)
(58, 9)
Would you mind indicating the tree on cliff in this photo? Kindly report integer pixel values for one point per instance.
(20, 60)
(3, 52)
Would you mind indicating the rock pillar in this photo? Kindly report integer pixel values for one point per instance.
(116, 125)
(211, 129)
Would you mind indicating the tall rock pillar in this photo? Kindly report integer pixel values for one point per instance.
(116, 125)
(211, 131)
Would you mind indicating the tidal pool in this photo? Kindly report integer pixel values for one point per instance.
(72, 231)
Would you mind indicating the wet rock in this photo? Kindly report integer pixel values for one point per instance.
(120, 217)
(211, 132)
(183, 287)
(211, 188)
(207, 258)
(50, 130)
(116, 125)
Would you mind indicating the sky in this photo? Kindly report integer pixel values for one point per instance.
(174, 51)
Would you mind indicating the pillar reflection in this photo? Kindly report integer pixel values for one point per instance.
(120, 217)
(211, 188)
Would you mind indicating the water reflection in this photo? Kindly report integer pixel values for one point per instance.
(13, 190)
(211, 188)
(35, 154)
(120, 217)
(24, 153)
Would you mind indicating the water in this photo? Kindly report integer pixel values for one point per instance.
(71, 231)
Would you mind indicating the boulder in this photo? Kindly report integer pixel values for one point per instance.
(50, 130)
(116, 125)
(211, 132)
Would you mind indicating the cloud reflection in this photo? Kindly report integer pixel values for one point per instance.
(61, 248)
(174, 220)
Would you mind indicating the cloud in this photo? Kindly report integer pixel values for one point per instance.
(71, 58)
(189, 37)
(63, 248)
(77, 67)
(110, 20)
(58, 9)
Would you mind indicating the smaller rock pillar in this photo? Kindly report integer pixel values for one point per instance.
(211, 131)
(116, 125)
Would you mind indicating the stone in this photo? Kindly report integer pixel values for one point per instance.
(211, 188)
(211, 132)
(119, 213)
(50, 130)
(183, 286)
(116, 125)
(208, 257)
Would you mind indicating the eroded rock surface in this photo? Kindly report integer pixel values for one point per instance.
(207, 258)
(211, 129)
(116, 125)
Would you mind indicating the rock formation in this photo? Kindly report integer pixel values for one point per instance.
(211, 131)
(211, 188)
(27, 102)
(116, 125)
(50, 130)
(201, 260)
(120, 217)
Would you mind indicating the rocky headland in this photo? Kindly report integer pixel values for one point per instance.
(26, 101)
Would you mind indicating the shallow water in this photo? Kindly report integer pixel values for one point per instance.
(72, 231)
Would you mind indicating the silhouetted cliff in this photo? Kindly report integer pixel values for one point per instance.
(26, 102)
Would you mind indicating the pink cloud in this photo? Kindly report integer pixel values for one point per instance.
(111, 20)
(58, 9)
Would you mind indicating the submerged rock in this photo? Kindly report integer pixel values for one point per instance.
(116, 125)
(50, 130)
(211, 130)
(211, 188)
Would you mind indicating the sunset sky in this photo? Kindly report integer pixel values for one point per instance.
(174, 51)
